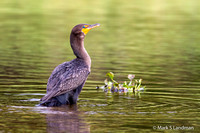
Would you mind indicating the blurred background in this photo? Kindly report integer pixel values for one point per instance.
(156, 40)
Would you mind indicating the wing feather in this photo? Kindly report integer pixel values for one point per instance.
(66, 77)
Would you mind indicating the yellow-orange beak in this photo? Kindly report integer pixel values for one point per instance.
(87, 28)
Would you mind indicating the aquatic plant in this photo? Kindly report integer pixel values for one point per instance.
(132, 86)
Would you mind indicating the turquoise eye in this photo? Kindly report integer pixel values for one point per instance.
(84, 26)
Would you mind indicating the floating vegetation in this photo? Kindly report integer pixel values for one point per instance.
(132, 86)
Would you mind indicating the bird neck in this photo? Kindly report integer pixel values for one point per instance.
(79, 50)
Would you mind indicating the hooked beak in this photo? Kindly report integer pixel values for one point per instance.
(89, 27)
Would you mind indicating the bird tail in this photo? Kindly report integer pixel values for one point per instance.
(48, 96)
(44, 98)
(55, 101)
(51, 103)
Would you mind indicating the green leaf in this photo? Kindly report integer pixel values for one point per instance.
(110, 84)
(115, 84)
(125, 84)
(130, 83)
(110, 75)
(140, 81)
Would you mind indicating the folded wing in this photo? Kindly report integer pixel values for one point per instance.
(66, 77)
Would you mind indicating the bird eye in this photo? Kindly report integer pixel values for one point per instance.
(84, 26)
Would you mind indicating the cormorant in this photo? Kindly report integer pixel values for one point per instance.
(67, 79)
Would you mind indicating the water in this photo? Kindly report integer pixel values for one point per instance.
(157, 41)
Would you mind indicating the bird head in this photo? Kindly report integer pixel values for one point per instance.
(82, 29)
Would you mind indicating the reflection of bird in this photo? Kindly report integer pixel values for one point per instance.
(66, 119)
(67, 79)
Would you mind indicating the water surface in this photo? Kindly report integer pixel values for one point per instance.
(157, 41)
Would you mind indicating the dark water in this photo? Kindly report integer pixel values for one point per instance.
(157, 41)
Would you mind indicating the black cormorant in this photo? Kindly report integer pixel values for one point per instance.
(67, 79)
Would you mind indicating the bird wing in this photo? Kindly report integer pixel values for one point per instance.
(66, 77)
